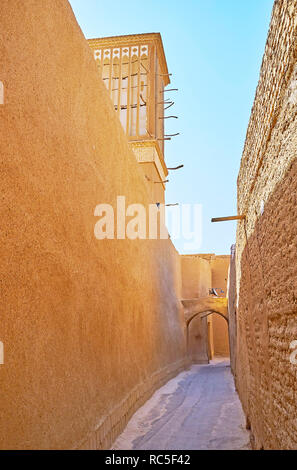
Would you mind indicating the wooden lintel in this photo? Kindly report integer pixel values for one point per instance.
(224, 219)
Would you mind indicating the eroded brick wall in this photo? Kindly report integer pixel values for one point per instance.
(266, 267)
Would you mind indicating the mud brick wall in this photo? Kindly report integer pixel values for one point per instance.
(90, 328)
(266, 248)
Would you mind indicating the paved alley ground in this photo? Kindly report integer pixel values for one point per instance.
(198, 409)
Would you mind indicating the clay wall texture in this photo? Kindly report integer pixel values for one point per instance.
(90, 328)
(232, 310)
(196, 276)
(219, 273)
(266, 268)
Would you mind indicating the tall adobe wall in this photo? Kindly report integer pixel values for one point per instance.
(90, 328)
(266, 247)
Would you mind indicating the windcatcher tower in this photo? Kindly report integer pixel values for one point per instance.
(135, 72)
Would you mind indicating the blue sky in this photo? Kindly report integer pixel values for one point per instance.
(214, 49)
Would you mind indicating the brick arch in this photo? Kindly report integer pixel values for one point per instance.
(194, 307)
(206, 314)
(204, 307)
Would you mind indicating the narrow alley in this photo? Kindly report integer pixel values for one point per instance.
(148, 276)
(197, 410)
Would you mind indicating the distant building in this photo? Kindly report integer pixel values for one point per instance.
(135, 72)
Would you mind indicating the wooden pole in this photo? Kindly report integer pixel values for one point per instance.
(224, 219)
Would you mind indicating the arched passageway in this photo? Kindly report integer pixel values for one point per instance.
(205, 315)
(208, 337)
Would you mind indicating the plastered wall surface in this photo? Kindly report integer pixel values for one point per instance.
(90, 328)
(266, 244)
(196, 276)
(219, 271)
